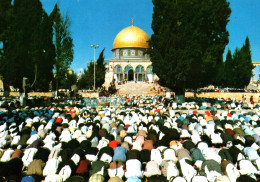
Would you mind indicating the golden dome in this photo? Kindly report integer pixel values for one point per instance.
(131, 36)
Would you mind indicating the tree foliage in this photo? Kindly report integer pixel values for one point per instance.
(46, 55)
(229, 70)
(86, 80)
(238, 68)
(100, 69)
(247, 65)
(63, 45)
(5, 22)
(27, 44)
(188, 41)
(69, 80)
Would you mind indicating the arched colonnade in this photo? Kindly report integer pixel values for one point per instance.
(130, 72)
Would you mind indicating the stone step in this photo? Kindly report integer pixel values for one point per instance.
(138, 88)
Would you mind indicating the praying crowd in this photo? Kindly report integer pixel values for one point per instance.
(147, 139)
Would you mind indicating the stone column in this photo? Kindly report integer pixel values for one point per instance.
(134, 74)
(253, 74)
(123, 77)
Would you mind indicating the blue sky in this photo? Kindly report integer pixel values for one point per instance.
(99, 21)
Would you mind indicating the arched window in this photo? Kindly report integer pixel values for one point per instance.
(149, 69)
(139, 73)
(118, 73)
(118, 69)
(139, 69)
(127, 68)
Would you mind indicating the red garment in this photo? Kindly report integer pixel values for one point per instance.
(113, 144)
(231, 132)
(207, 113)
(58, 120)
(157, 110)
(83, 166)
(126, 126)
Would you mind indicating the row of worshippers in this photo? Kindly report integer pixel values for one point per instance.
(135, 144)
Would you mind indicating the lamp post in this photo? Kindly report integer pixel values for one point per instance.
(94, 46)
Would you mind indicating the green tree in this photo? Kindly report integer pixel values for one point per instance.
(247, 62)
(45, 55)
(229, 70)
(220, 76)
(63, 45)
(188, 41)
(86, 80)
(28, 47)
(242, 65)
(6, 19)
(70, 79)
(237, 68)
(100, 69)
(81, 83)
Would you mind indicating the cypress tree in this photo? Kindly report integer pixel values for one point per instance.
(28, 50)
(247, 59)
(229, 70)
(100, 69)
(188, 41)
(22, 49)
(46, 56)
(6, 18)
(243, 65)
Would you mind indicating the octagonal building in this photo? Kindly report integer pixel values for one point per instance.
(130, 60)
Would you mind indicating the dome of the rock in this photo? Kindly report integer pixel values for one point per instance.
(131, 37)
